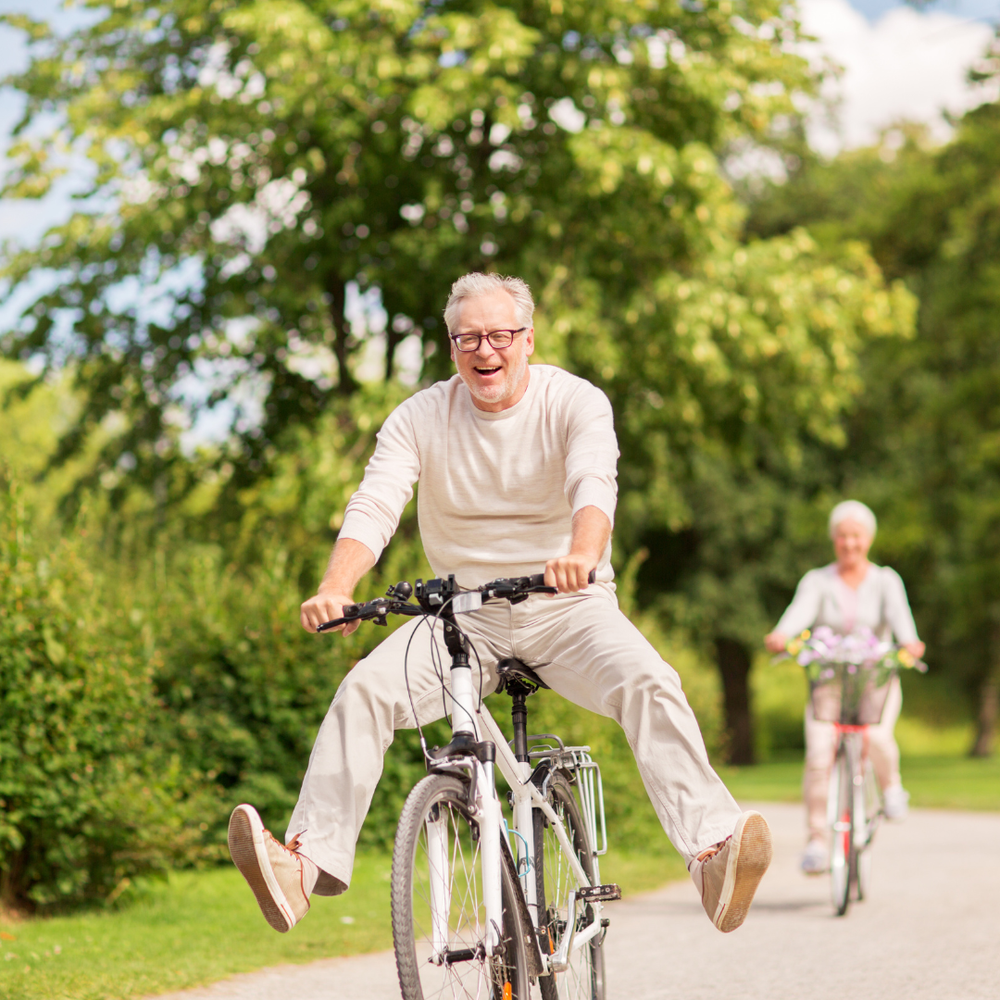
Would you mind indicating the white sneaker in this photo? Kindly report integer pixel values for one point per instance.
(897, 802)
(815, 859)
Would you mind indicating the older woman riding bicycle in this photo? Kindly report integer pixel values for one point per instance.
(848, 595)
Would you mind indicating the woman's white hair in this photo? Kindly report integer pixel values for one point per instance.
(853, 510)
(476, 285)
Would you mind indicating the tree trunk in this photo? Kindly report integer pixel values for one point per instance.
(392, 341)
(733, 659)
(989, 701)
(337, 291)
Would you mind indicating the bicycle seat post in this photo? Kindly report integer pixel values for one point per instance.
(519, 717)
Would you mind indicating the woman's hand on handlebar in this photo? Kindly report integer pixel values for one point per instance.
(776, 642)
(569, 573)
(324, 607)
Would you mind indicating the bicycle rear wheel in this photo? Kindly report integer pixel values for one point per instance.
(438, 913)
(840, 814)
(584, 977)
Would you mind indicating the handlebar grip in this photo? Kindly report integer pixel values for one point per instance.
(538, 580)
(326, 626)
(353, 614)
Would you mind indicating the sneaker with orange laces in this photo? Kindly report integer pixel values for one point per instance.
(279, 877)
(729, 872)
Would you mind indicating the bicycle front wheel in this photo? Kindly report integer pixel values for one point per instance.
(439, 924)
(841, 817)
(583, 979)
(871, 802)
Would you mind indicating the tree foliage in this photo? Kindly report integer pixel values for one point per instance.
(923, 446)
(250, 160)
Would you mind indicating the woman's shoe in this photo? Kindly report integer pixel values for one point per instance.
(815, 858)
(897, 802)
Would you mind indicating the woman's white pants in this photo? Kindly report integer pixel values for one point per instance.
(821, 744)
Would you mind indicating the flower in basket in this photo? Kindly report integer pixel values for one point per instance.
(821, 650)
(901, 658)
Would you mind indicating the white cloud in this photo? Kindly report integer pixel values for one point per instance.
(907, 65)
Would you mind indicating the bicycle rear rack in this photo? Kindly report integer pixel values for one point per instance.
(588, 780)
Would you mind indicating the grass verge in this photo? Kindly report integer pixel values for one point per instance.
(935, 781)
(195, 928)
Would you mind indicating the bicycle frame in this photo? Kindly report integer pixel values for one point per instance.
(476, 749)
(470, 720)
(854, 739)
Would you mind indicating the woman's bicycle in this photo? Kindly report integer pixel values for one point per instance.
(851, 696)
(849, 679)
(481, 906)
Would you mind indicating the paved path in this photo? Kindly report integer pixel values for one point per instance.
(930, 931)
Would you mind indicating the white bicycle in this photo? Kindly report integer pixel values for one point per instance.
(483, 906)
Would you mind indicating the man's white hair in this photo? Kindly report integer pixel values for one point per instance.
(853, 510)
(476, 285)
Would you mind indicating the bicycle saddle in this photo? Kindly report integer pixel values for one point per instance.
(510, 669)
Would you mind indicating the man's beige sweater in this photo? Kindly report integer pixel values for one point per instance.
(497, 491)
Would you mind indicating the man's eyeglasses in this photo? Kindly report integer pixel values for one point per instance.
(497, 339)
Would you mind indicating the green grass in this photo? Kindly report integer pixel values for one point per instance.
(935, 781)
(196, 928)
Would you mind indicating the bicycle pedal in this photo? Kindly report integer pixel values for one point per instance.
(599, 893)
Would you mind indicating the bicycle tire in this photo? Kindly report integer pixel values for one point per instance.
(841, 813)
(441, 799)
(871, 798)
(584, 979)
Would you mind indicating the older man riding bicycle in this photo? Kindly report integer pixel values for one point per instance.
(516, 466)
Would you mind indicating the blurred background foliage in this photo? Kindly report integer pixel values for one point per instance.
(282, 193)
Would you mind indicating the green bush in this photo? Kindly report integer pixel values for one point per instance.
(245, 688)
(87, 799)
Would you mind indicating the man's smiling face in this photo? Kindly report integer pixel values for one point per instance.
(496, 379)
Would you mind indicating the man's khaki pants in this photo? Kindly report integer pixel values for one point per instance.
(583, 647)
(821, 742)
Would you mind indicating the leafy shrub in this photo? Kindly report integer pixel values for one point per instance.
(87, 799)
(245, 688)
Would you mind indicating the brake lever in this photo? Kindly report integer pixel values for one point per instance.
(375, 611)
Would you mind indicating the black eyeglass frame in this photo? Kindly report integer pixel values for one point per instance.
(453, 337)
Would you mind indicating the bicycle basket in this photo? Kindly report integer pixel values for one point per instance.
(850, 693)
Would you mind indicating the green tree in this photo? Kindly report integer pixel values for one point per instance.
(924, 442)
(251, 160)
(767, 338)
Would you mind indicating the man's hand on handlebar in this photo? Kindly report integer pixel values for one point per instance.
(569, 573)
(324, 607)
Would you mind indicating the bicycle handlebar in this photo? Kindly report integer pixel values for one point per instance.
(434, 595)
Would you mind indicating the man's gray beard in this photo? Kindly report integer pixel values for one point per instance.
(497, 393)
